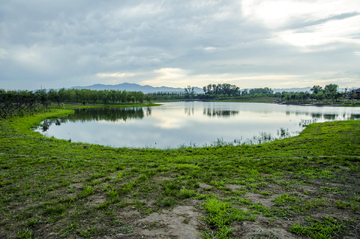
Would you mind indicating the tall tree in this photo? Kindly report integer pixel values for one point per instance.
(332, 88)
(316, 89)
(189, 91)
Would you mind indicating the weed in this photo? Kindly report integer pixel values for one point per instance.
(127, 230)
(86, 192)
(25, 234)
(166, 202)
(239, 200)
(186, 193)
(222, 215)
(285, 198)
(342, 205)
(53, 210)
(327, 228)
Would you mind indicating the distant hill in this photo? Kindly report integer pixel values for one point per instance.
(292, 89)
(134, 87)
(151, 89)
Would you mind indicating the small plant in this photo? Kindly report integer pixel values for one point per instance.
(285, 198)
(328, 228)
(122, 204)
(33, 222)
(166, 202)
(104, 205)
(127, 230)
(25, 234)
(96, 182)
(265, 193)
(327, 189)
(186, 193)
(221, 215)
(341, 204)
(86, 192)
(58, 209)
(239, 200)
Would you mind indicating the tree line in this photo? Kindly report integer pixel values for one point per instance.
(228, 91)
(213, 91)
(19, 103)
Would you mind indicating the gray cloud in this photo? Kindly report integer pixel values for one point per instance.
(66, 43)
(303, 22)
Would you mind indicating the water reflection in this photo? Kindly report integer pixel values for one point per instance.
(189, 110)
(211, 112)
(316, 115)
(190, 123)
(108, 114)
(330, 116)
(98, 114)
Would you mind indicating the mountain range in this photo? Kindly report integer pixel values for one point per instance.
(151, 89)
(135, 87)
(292, 89)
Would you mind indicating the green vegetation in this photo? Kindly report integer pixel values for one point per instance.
(326, 228)
(307, 185)
(21, 103)
(231, 93)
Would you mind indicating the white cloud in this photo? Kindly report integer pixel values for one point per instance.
(209, 48)
(329, 32)
(116, 75)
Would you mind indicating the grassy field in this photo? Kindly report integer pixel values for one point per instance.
(302, 187)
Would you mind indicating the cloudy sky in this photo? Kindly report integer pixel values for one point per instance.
(249, 43)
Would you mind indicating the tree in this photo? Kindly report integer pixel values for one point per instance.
(316, 89)
(139, 96)
(148, 98)
(331, 89)
(320, 95)
(189, 92)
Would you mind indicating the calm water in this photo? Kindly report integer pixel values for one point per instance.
(180, 124)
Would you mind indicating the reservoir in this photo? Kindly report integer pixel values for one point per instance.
(195, 124)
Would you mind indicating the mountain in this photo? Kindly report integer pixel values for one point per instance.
(292, 89)
(135, 87)
(151, 89)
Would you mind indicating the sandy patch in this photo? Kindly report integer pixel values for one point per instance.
(96, 200)
(204, 185)
(234, 186)
(181, 223)
(256, 198)
(76, 185)
(261, 229)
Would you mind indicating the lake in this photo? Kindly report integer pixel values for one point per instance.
(183, 124)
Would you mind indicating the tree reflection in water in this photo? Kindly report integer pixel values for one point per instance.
(97, 114)
(219, 113)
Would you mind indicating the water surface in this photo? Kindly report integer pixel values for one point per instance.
(182, 124)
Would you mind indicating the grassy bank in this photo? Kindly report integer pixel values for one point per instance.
(300, 187)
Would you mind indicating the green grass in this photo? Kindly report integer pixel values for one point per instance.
(77, 191)
(326, 228)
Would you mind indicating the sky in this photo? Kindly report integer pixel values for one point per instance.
(248, 43)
